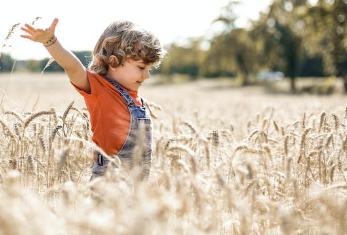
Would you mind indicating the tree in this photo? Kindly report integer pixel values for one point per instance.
(184, 59)
(327, 35)
(6, 63)
(279, 32)
(232, 49)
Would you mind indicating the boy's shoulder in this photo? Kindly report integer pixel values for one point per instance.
(93, 74)
(96, 83)
(96, 79)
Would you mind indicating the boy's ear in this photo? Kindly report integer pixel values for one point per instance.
(113, 61)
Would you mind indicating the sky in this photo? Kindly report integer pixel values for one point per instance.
(82, 22)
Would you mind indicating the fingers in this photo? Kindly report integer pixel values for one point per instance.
(26, 30)
(38, 34)
(54, 24)
(30, 27)
(26, 36)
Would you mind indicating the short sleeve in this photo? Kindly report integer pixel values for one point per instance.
(92, 82)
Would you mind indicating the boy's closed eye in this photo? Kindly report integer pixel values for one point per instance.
(143, 68)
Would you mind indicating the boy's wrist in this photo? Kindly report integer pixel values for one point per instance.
(50, 41)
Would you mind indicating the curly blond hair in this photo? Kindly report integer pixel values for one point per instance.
(122, 40)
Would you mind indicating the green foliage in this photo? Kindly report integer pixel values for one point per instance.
(297, 37)
(84, 56)
(184, 59)
(327, 34)
(6, 63)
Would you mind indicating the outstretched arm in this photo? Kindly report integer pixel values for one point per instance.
(65, 58)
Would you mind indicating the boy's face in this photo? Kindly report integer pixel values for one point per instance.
(131, 74)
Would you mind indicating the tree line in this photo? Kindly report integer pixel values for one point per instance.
(8, 64)
(298, 37)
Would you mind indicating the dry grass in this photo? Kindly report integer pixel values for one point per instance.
(225, 162)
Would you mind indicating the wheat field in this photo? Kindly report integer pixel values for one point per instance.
(225, 161)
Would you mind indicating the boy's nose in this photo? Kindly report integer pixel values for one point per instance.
(146, 75)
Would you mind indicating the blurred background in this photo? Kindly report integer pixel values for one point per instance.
(283, 46)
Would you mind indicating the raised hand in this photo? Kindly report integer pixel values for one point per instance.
(40, 35)
(72, 66)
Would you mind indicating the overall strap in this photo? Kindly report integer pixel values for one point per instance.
(120, 89)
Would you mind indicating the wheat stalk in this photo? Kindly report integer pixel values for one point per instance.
(49, 62)
(34, 116)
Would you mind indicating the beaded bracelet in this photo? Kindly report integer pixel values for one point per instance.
(50, 41)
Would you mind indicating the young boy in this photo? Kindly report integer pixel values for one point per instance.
(122, 59)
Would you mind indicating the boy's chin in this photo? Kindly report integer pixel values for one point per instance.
(134, 89)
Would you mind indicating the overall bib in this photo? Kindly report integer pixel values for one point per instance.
(138, 142)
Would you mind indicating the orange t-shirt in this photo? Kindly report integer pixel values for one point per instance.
(109, 114)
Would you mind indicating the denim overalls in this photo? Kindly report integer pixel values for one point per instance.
(139, 138)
